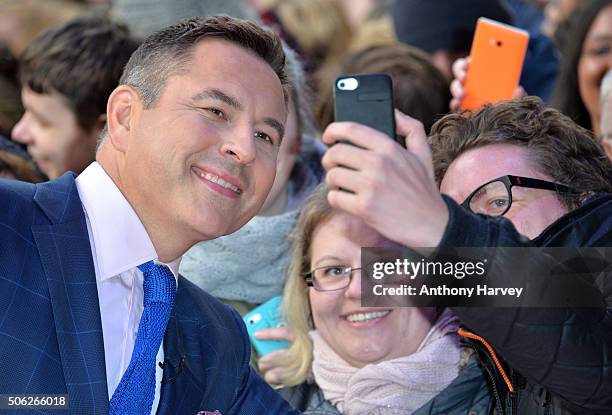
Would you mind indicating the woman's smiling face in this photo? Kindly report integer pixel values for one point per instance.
(359, 335)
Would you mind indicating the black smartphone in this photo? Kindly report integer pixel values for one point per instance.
(366, 99)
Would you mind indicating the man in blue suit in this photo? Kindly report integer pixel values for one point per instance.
(91, 304)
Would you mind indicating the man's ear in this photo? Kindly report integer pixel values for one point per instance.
(123, 104)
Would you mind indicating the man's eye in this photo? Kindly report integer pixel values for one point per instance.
(498, 204)
(216, 112)
(264, 137)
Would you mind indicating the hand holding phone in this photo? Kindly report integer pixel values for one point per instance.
(267, 315)
(496, 60)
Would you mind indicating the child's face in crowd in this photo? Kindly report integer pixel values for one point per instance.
(359, 335)
(50, 130)
(595, 60)
(532, 210)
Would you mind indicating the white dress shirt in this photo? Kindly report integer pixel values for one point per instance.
(119, 243)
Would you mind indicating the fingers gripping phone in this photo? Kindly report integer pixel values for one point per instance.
(366, 99)
(265, 316)
(496, 60)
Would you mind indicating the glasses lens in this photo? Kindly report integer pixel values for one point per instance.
(491, 199)
(331, 278)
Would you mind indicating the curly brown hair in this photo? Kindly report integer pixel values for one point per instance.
(560, 148)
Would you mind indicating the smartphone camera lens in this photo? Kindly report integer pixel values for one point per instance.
(347, 84)
(499, 43)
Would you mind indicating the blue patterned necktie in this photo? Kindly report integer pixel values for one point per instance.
(136, 390)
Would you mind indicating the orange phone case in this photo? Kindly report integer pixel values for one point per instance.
(497, 55)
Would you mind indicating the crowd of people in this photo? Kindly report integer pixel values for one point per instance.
(166, 167)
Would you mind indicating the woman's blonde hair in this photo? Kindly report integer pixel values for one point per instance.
(296, 305)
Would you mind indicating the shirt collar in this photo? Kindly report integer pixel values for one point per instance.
(119, 240)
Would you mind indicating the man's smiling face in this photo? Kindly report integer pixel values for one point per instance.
(203, 156)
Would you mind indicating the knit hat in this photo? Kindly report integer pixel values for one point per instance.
(434, 25)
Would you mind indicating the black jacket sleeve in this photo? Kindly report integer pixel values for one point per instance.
(566, 350)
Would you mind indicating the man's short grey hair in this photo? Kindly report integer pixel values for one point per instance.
(169, 51)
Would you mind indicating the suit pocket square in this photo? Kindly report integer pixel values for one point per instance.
(209, 413)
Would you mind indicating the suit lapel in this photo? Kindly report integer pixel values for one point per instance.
(66, 257)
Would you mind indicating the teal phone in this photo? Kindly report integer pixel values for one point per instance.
(266, 316)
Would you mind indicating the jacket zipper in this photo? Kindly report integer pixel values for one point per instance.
(489, 370)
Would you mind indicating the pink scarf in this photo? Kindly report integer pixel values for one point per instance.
(398, 386)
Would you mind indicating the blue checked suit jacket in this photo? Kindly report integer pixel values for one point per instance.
(50, 330)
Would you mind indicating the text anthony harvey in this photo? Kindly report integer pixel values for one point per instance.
(443, 290)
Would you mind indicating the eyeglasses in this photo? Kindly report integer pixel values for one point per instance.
(494, 198)
(330, 278)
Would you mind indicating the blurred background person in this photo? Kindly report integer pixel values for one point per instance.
(377, 31)
(556, 12)
(147, 16)
(21, 21)
(66, 75)
(419, 88)
(445, 28)
(587, 57)
(322, 31)
(359, 12)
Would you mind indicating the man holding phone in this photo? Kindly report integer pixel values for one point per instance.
(394, 190)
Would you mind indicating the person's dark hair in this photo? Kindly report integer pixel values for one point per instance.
(443, 24)
(15, 163)
(82, 60)
(566, 96)
(168, 52)
(419, 89)
(10, 99)
(558, 147)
